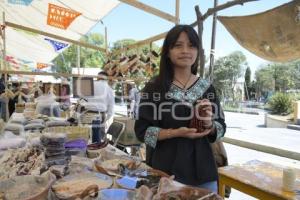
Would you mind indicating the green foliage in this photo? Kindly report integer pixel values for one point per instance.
(119, 45)
(227, 71)
(278, 77)
(281, 103)
(88, 57)
(247, 82)
(297, 96)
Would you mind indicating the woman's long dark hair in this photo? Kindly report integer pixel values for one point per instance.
(166, 71)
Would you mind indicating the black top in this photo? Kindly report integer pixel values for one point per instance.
(190, 160)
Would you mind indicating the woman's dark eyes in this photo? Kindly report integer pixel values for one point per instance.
(180, 45)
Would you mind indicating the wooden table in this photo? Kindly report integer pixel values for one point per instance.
(259, 179)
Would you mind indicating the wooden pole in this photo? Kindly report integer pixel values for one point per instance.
(150, 62)
(78, 60)
(177, 9)
(5, 64)
(150, 10)
(201, 49)
(210, 11)
(4, 47)
(70, 75)
(106, 40)
(212, 47)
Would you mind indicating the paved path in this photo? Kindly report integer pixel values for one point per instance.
(251, 128)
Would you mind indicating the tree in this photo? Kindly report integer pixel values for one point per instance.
(278, 77)
(247, 85)
(293, 69)
(88, 57)
(228, 70)
(264, 81)
(119, 45)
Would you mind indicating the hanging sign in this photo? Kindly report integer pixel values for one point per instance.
(20, 2)
(60, 17)
(56, 45)
(41, 65)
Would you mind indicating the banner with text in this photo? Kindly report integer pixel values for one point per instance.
(60, 17)
(41, 65)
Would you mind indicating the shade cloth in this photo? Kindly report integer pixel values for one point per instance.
(273, 35)
(66, 18)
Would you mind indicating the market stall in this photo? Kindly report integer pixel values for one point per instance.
(56, 164)
(50, 156)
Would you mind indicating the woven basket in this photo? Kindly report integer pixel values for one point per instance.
(73, 132)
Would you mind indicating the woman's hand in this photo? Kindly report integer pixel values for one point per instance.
(173, 133)
(190, 132)
(193, 135)
(183, 131)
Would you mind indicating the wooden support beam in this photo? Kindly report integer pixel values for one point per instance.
(201, 48)
(212, 45)
(68, 75)
(211, 11)
(150, 10)
(141, 43)
(146, 41)
(177, 9)
(13, 25)
(106, 40)
(263, 148)
(163, 35)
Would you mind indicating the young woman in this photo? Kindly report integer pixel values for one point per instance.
(167, 107)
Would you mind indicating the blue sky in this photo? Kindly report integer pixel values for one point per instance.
(128, 22)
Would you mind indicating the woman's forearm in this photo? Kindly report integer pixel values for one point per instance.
(166, 134)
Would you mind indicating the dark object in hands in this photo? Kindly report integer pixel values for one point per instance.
(197, 121)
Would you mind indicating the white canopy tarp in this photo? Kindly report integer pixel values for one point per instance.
(24, 47)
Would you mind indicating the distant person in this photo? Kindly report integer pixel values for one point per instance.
(102, 102)
(2, 83)
(65, 96)
(134, 97)
(3, 100)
